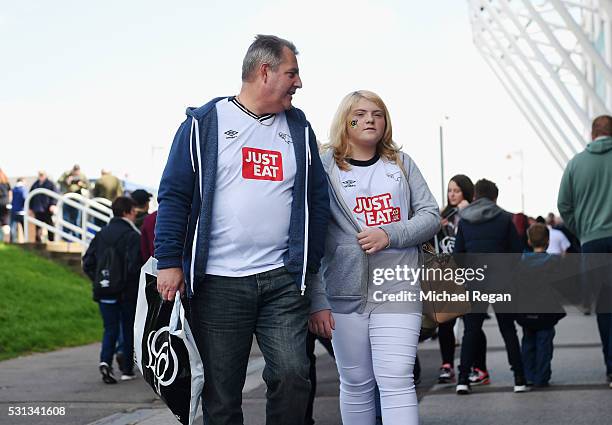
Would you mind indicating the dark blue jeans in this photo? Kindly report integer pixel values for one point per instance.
(226, 312)
(472, 349)
(537, 354)
(72, 216)
(118, 317)
(600, 279)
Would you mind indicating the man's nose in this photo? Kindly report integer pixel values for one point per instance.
(298, 82)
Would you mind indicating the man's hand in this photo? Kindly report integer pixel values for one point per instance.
(373, 240)
(169, 282)
(321, 323)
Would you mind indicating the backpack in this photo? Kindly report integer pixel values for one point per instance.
(111, 272)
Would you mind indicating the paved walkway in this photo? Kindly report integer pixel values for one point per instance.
(578, 395)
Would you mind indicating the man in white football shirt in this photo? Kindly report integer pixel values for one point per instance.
(243, 210)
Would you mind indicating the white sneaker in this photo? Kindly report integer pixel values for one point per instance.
(128, 376)
(520, 384)
(463, 389)
(521, 388)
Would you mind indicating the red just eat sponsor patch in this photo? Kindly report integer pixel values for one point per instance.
(377, 210)
(261, 164)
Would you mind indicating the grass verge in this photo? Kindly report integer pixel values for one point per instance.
(44, 306)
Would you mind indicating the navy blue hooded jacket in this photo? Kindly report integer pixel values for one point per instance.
(187, 189)
(486, 228)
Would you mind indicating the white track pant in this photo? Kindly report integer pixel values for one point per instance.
(371, 349)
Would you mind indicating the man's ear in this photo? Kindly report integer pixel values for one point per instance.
(264, 70)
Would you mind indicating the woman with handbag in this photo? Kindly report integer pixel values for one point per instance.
(382, 211)
(459, 195)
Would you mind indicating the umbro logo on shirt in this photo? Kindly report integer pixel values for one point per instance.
(231, 134)
(285, 137)
(348, 183)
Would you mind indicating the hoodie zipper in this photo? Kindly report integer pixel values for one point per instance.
(306, 216)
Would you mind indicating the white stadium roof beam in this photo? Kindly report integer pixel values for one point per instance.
(554, 58)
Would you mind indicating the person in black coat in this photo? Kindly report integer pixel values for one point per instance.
(118, 309)
(43, 206)
(485, 228)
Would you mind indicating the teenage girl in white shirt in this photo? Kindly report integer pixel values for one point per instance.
(382, 210)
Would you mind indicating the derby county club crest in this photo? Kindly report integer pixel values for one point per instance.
(163, 361)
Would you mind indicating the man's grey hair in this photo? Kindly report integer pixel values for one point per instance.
(265, 49)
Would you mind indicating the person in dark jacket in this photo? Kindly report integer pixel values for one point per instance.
(460, 193)
(17, 213)
(539, 305)
(6, 194)
(43, 206)
(142, 198)
(117, 311)
(486, 228)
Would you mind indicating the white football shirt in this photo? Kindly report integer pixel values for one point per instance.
(252, 203)
(375, 192)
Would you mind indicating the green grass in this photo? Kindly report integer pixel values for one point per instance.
(43, 305)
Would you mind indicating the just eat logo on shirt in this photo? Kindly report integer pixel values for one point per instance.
(377, 209)
(261, 164)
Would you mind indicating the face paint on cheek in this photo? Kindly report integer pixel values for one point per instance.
(353, 123)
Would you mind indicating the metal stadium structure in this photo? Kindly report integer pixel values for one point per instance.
(554, 58)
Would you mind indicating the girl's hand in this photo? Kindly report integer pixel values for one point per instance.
(322, 323)
(373, 239)
(444, 222)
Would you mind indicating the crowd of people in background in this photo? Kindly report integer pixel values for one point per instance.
(473, 223)
(131, 224)
(44, 206)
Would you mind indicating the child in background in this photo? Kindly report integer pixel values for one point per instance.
(537, 267)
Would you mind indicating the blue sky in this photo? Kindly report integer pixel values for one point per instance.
(106, 83)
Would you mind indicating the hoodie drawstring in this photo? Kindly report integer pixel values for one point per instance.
(195, 128)
(306, 217)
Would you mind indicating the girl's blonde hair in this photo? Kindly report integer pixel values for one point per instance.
(338, 137)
